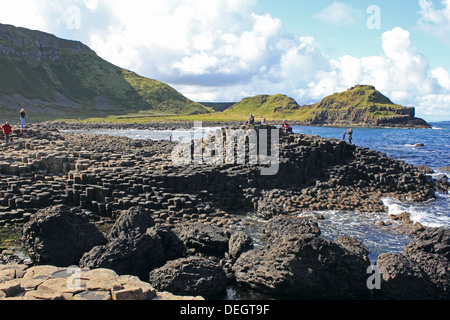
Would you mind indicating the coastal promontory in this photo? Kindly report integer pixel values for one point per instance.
(359, 106)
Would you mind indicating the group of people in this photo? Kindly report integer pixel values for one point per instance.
(288, 129)
(285, 126)
(7, 129)
(350, 135)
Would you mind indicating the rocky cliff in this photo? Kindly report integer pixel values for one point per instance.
(55, 78)
(362, 106)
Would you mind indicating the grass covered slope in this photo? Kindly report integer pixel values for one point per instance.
(264, 106)
(360, 105)
(54, 78)
(360, 97)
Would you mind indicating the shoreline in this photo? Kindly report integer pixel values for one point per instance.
(181, 124)
(104, 176)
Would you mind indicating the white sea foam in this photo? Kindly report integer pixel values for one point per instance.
(432, 213)
(362, 226)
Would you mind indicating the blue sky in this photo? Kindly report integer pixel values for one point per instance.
(301, 17)
(226, 50)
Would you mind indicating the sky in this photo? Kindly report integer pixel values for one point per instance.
(226, 50)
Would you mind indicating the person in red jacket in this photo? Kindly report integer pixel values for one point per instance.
(7, 130)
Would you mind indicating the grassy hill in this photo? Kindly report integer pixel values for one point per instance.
(54, 78)
(360, 97)
(360, 105)
(271, 107)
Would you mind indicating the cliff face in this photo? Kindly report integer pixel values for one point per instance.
(56, 78)
(36, 47)
(362, 106)
(360, 117)
(358, 106)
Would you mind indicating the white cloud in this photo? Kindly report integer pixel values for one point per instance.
(9, 14)
(339, 14)
(435, 21)
(442, 76)
(434, 107)
(216, 50)
(401, 73)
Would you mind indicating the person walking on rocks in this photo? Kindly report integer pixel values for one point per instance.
(22, 118)
(7, 130)
(350, 135)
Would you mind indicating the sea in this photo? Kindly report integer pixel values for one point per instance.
(400, 144)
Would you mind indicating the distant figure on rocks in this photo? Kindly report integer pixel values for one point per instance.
(263, 122)
(286, 127)
(192, 149)
(251, 119)
(350, 135)
(343, 136)
(22, 118)
(7, 130)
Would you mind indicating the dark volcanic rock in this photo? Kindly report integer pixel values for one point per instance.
(353, 246)
(137, 254)
(193, 276)
(206, 239)
(431, 251)
(304, 265)
(239, 243)
(281, 225)
(134, 220)
(59, 236)
(403, 279)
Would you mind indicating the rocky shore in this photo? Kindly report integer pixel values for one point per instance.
(112, 203)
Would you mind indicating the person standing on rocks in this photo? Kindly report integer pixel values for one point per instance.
(7, 130)
(350, 135)
(343, 136)
(22, 118)
(286, 127)
(251, 119)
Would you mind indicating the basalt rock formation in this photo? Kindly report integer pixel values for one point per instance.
(164, 211)
(45, 167)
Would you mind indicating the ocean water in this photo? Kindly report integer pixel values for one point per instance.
(399, 144)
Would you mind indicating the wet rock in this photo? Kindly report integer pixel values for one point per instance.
(404, 217)
(59, 236)
(425, 169)
(239, 242)
(305, 265)
(191, 276)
